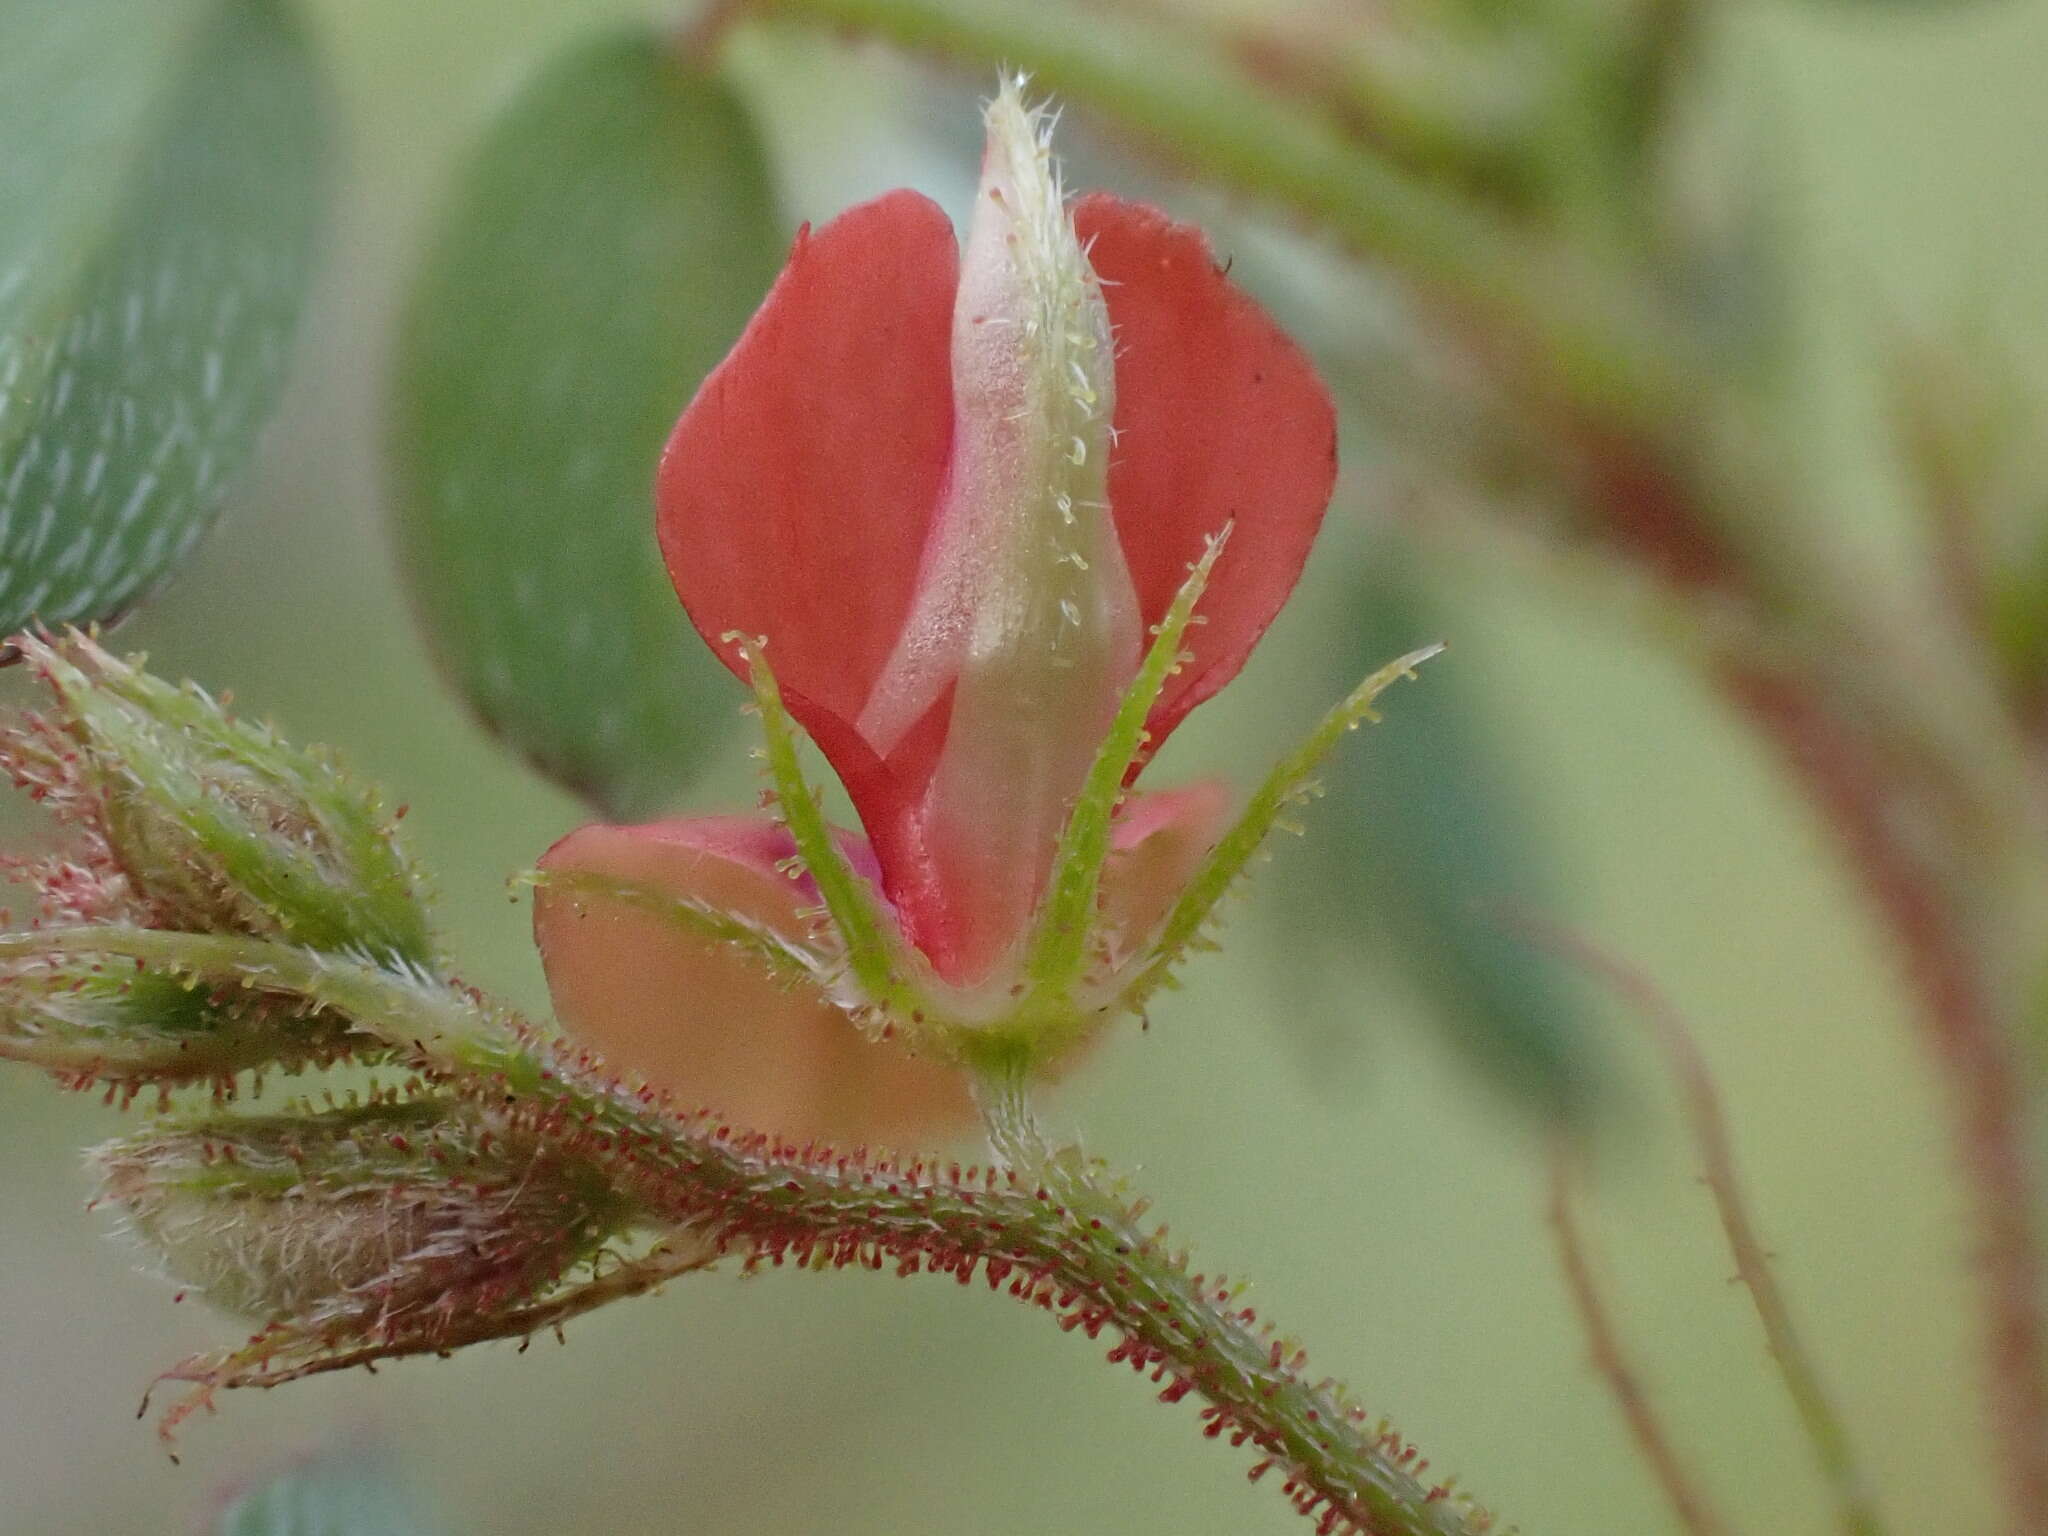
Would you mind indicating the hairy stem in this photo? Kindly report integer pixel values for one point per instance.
(1002, 1092)
(1052, 1227)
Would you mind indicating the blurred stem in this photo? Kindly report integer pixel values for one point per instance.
(1858, 1515)
(1604, 1344)
(697, 38)
(1597, 339)
(1972, 1041)
(1436, 123)
(1063, 1233)
(1666, 37)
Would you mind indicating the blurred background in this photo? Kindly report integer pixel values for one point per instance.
(1296, 1112)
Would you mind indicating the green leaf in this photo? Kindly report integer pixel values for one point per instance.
(603, 250)
(1421, 844)
(353, 1494)
(159, 192)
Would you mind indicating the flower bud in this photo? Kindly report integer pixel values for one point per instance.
(211, 823)
(950, 508)
(359, 1217)
(1024, 605)
(94, 1019)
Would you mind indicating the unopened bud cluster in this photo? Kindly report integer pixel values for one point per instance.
(392, 1215)
(184, 819)
(211, 824)
(212, 869)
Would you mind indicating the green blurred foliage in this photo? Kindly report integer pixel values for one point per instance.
(1392, 1221)
(598, 254)
(160, 187)
(1417, 862)
(356, 1493)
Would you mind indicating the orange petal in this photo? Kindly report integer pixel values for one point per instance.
(706, 1020)
(1157, 843)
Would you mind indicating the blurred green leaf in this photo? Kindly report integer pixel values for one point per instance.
(159, 191)
(603, 250)
(355, 1494)
(1420, 844)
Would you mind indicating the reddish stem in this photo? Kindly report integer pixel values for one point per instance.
(1702, 1103)
(1604, 1344)
(697, 40)
(1968, 1039)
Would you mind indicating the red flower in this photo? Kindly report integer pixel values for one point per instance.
(921, 478)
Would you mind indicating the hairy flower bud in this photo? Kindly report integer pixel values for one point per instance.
(1024, 606)
(386, 1217)
(89, 1019)
(209, 823)
(955, 504)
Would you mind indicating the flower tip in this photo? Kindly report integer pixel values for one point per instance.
(1012, 121)
(1020, 177)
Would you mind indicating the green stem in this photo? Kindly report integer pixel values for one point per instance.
(1908, 749)
(1940, 950)
(1051, 1225)
(1002, 1092)
(1614, 347)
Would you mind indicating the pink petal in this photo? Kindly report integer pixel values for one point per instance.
(1156, 845)
(707, 1021)
(795, 492)
(1220, 419)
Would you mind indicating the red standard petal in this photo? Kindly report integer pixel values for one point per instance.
(706, 1021)
(1220, 419)
(795, 492)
